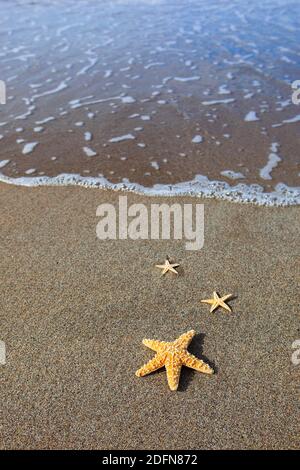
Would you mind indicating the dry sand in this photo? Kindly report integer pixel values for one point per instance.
(75, 309)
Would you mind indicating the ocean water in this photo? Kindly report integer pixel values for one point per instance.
(160, 97)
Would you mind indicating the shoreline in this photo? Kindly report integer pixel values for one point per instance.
(199, 187)
(75, 310)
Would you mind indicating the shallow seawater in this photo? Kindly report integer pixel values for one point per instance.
(161, 97)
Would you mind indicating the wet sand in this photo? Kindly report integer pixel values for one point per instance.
(122, 89)
(75, 310)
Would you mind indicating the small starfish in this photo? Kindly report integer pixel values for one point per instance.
(218, 302)
(167, 267)
(173, 355)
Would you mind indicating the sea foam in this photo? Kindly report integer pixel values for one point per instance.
(200, 186)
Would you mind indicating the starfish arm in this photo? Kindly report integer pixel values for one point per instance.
(226, 297)
(173, 367)
(164, 268)
(154, 344)
(155, 363)
(160, 266)
(170, 268)
(222, 304)
(214, 306)
(184, 340)
(189, 360)
(208, 301)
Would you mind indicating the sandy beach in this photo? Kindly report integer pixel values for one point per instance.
(75, 310)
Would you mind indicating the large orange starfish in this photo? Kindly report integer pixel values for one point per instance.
(173, 355)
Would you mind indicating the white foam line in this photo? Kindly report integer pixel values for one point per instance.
(200, 186)
(212, 102)
(186, 79)
(273, 160)
(59, 87)
(121, 138)
(288, 121)
(292, 120)
(124, 99)
(153, 64)
(43, 121)
(92, 61)
(3, 163)
(25, 115)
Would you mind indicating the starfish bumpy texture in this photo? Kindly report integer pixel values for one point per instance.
(167, 267)
(218, 302)
(173, 355)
